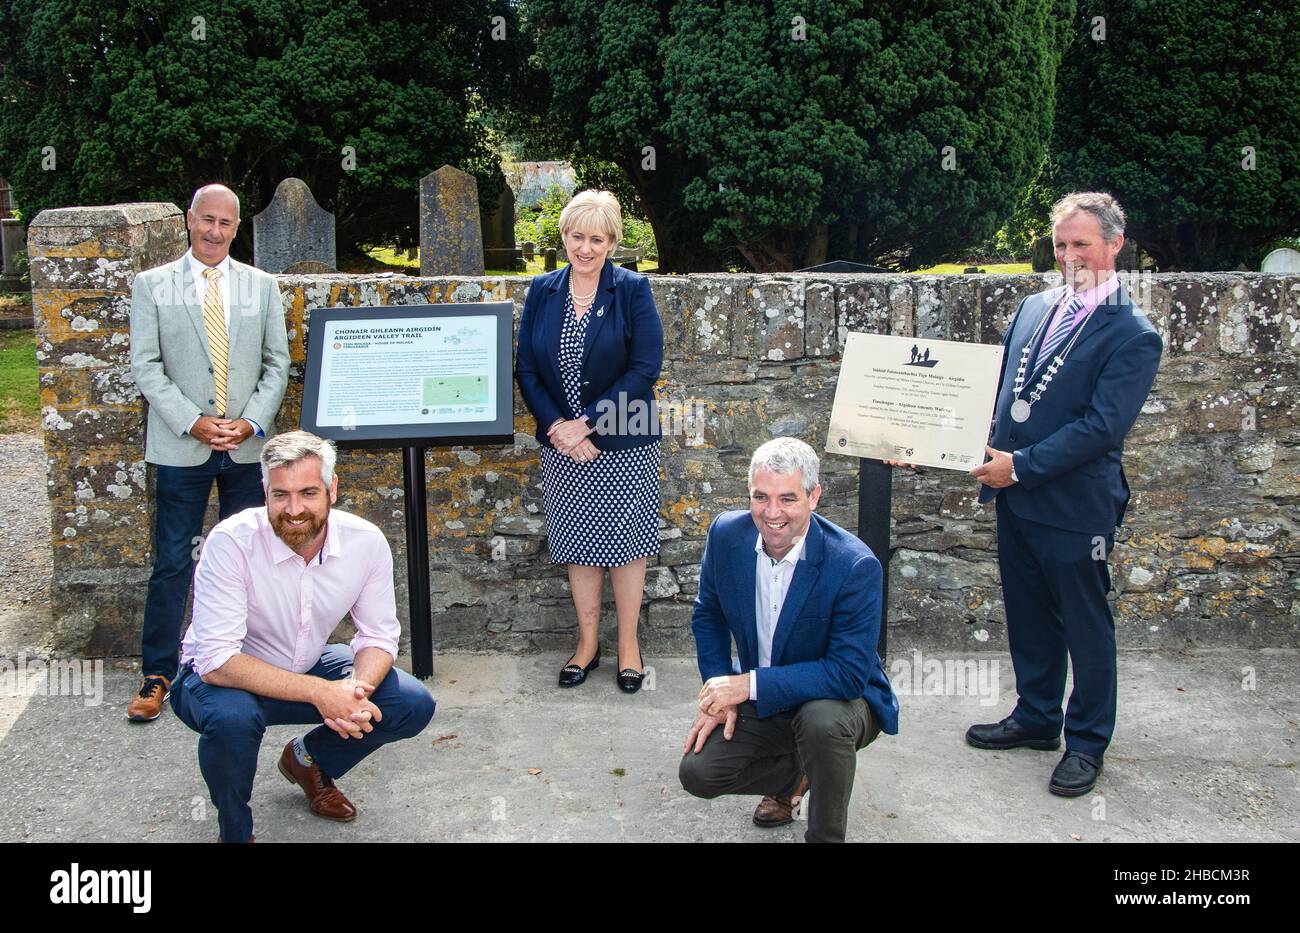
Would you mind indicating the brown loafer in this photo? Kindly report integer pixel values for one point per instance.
(323, 797)
(778, 811)
(146, 705)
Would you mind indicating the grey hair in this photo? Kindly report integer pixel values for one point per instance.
(787, 455)
(206, 189)
(284, 449)
(1097, 203)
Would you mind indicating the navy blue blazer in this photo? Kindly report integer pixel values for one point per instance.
(1068, 454)
(621, 358)
(824, 647)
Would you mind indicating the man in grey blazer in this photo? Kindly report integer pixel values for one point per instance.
(210, 354)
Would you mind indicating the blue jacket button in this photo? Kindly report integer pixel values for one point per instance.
(212, 401)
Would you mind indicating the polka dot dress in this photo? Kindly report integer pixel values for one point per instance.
(604, 513)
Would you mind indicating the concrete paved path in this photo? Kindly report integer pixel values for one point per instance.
(1206, 749)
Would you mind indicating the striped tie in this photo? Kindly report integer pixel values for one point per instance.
(214, 322)
(1061, 330)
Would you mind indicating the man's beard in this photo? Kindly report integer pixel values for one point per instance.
(295, 536)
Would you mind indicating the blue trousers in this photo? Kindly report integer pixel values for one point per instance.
(230, 723)
(181, 499)
(1054, 584)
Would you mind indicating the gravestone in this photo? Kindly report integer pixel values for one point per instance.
(293, 228)
(1283, 261)
(1043, 258)
(6, 200)
(1127, 259)
(451, 242)
(529, 248)
(549, 257)
(11, 244)
(499, 250)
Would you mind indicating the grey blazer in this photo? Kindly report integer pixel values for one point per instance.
(173, 370)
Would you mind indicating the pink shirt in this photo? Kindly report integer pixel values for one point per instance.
(253, 595)
(1091, 299)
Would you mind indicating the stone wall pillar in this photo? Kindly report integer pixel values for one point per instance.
(83, 263)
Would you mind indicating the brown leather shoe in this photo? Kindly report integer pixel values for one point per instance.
(778, 811)
(324, 798)
(146, 705)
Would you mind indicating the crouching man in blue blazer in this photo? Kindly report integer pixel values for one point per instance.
(801, 599)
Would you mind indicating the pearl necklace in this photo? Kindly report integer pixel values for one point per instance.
(583, 301)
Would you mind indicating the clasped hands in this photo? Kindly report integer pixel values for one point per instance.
(345, 706)
(221, 434)
(570, 439)
(719, 698)
(996, 474)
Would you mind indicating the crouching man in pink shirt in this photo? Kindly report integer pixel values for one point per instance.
(272, 584)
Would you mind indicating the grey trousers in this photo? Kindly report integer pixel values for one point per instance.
(768, 756)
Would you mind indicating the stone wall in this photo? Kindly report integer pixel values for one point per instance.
(1208, 554)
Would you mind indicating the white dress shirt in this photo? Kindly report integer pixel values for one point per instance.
(201, 284)
(254, 595)
(771, 584)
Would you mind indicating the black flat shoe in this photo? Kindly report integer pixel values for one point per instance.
(1009, 734)
(572, 674)
(629, 679)
(1075, 775)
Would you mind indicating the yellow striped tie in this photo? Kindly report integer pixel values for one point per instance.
(214, 322)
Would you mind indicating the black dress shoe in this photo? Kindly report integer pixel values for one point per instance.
(1075, 775)
(629, 678)
(573, 674)
(1009, 734)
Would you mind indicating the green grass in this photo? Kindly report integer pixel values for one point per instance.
(395, 261)
(20, 400)
(995, 268)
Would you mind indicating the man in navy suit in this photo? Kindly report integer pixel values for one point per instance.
(1078, 365)
(800, 597)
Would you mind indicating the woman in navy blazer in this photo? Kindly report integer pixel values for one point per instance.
(590, 349)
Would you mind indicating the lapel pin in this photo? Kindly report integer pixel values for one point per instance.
(600, 312)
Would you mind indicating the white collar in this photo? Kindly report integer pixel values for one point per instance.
(792, 556)
(196, 267)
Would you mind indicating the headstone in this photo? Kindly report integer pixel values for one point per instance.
(1127, 259)
(293, 228)
(451, 242)
(6, 200)
(1282, 261)
(499, 250)
(529, 248)
(11, 244)
(1043, 258)
(499, 226)
(549, 256)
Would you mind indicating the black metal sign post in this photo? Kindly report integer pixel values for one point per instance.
(445, 421)
(417, 562)
(875, 495)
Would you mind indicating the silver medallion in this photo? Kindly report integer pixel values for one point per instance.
(1020, 410)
